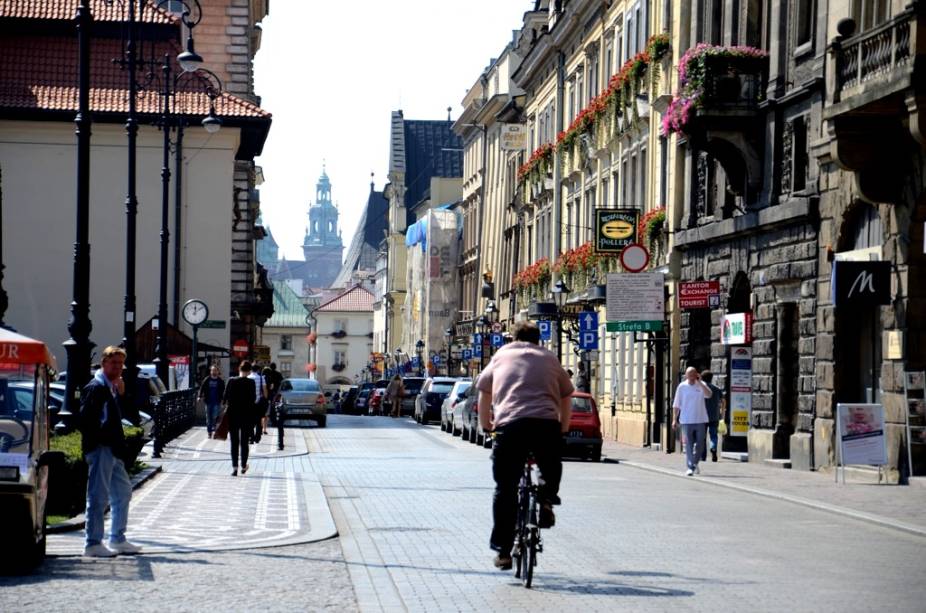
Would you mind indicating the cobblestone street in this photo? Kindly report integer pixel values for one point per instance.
(411, 505)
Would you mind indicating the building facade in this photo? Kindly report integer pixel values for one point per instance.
(343, 337)
(285, 333)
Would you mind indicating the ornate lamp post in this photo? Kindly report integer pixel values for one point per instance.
(78, 345)
(560, 293)
(483, 324)
(419, 349)
(448, 334)
(213, 87)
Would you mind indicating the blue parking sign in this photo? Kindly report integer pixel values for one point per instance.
(498, 339)
(467, 354)
(435, 359)
(477, 345)
(415, 361)
(588, 321)
(546, 329)
(588, 340)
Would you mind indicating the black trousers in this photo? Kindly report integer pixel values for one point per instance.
(240, 434)
(513, 441)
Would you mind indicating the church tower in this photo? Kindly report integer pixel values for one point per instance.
(322, 245)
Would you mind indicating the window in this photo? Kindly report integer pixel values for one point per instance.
(866, 228)
(609, 58)
(340, 325)
(804, 33)
(286, 368)
(286, 342)
(593, 74)
(663, 171)
(870, 13)
(340, 356)
(800, 157)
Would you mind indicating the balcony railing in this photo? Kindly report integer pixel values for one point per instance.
(875, 52)
(733, 83)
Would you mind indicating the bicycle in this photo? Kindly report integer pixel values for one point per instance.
(527, 539)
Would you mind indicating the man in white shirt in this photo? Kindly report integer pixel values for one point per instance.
(691, 413)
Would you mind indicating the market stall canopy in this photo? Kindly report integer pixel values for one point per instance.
(16, 349)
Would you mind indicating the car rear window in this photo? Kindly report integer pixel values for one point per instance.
(441, 388)
(300, 385)
(582, 405)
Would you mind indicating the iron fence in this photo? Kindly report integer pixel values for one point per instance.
(174, 414)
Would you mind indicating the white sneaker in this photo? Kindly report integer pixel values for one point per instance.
(125, 548)
(98, 551)
(697, 470)
(689, 472)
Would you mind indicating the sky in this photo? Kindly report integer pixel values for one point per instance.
(331, 73)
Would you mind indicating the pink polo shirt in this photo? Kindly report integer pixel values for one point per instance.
(525, 380)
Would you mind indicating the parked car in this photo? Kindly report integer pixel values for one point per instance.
(412, 389)
(454, 397)
(428, 403)
(584, 436)
(363, 398)
(468, 419)
(302, 399)
(349, 399)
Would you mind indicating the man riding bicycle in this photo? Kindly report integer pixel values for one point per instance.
(524, 397)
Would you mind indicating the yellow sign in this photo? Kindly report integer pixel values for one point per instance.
(618, 229)
(740, 422)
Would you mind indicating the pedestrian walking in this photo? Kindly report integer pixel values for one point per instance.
(240, 394)
(104, 450)
(691, 413)
(260, 404)
(394, 393)
(715, 413)
(580, 381)
(211, 391)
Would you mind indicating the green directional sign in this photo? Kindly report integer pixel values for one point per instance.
(634, 326)
(215, 324)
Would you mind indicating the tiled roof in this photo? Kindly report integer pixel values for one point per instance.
(354, 299)
(432, 149)
(67, 9)
(40, 72)
(288, 310)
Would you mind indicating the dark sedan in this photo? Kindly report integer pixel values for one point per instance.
(429, 401)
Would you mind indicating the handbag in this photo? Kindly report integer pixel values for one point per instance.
(722, 428)
(221, 431)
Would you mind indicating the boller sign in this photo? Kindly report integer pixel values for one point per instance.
(513, 137)
(615, 229)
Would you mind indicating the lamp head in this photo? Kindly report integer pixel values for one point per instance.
(189, 60)
(212, 123)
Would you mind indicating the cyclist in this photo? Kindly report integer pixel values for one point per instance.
(529, 395)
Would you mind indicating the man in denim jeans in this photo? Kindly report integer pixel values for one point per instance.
(103, 442)
(211, 392)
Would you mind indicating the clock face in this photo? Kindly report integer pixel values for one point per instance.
(195, 312)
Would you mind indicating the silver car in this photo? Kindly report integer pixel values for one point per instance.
(446, 411)
(302, 399)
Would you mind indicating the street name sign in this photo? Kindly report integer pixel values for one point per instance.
(634, 326)
(214, 324)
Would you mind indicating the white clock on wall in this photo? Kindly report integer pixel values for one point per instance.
(195, 312)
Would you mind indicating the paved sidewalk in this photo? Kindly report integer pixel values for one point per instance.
(195, 504)
(892, 506)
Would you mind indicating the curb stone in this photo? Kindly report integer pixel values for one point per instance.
(78, 522)
(813, 504)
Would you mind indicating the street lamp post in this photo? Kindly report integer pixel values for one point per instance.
(212, 124)
(560, 292)
(78, 345)
(448, 334)
(483, 324)
(419, 349)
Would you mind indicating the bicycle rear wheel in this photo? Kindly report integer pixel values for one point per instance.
(529, 559)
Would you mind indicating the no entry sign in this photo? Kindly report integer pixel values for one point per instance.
(240, 348)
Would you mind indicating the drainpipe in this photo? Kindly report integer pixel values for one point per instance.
(558, 182)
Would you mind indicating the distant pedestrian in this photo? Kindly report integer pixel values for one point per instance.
(715, 413)
(336, 401)
(260, 404)
(394, 393)
(240, 394)
(104, 450)
(691, 414)
(211, 391)
(580, 380)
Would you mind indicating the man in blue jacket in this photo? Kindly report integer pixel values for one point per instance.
(103, 443)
